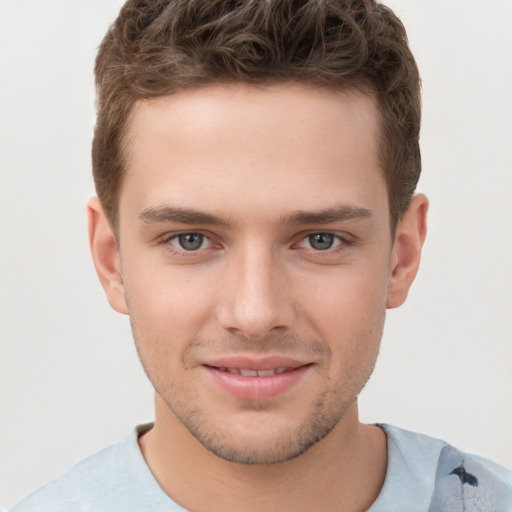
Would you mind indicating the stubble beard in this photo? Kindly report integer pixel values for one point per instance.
(245, 447)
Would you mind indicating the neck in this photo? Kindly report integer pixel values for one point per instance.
(344, 471)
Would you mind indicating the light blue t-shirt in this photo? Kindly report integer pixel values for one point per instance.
(423, 475)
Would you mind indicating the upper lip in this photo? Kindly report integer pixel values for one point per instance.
(256, 363)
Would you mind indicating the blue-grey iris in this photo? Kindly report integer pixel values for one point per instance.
(321, 241)
(191, 241)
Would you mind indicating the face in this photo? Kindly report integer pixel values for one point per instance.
(255, 261)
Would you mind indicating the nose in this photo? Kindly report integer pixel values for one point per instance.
(256, 299)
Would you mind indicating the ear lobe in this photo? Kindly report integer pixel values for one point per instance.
(406, 254)
(105, 255)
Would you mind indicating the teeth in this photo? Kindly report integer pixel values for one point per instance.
(254, 373)
(266, 373)
(248, 373)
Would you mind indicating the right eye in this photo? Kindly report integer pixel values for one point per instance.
(190, 241)
(321, 241)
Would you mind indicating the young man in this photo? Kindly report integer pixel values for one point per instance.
(255, 164)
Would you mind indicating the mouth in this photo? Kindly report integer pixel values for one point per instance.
(257, 379)
(245, 372)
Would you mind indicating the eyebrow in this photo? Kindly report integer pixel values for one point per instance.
(189, 216)
(341, 213)
(181, 215)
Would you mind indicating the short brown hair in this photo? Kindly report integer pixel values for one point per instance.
(158, 47)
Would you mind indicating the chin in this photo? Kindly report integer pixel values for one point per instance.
(258, 440)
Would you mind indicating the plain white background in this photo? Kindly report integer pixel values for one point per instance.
(70, 381)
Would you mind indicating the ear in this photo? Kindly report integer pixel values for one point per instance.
(105, 255)
(405, 257)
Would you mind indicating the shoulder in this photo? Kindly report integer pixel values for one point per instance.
(116, 478)
(75, 486)
(431, 449)
(432, 475)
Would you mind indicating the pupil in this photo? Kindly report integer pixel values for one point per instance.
(321, 241)
(191, 241)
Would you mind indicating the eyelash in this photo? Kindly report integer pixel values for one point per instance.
(166, 242)
(340, 242)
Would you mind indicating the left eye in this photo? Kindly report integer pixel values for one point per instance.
(320, 241)
(190, 241)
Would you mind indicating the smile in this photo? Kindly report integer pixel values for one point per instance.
(259, 381)
(254, 373)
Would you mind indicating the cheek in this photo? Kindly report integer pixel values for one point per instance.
(349, 295)
(347, 310)
(167, 304)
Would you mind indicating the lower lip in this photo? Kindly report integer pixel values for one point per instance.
(257, 388)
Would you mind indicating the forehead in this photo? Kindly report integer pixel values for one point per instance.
(248, 147)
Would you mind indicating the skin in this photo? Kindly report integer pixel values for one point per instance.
(258, 173)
